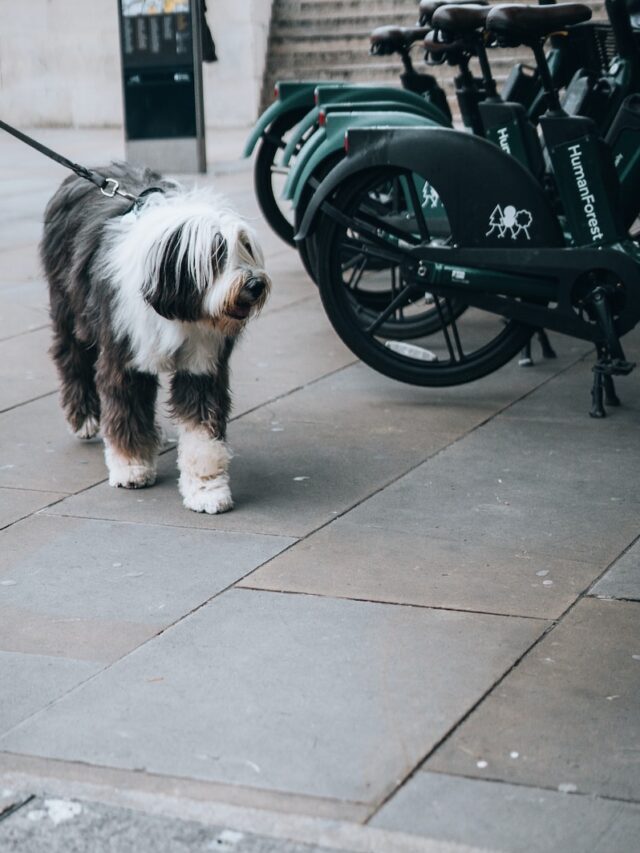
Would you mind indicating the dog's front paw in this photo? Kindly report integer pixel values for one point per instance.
(132, 476)
(211, 498)
(88, 429)
(126, 472)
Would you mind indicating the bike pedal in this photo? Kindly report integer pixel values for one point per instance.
(622, 368)
(616, 367)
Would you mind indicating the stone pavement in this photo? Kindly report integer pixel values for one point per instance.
(418, 630)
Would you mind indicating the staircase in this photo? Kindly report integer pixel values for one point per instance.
(329, 40)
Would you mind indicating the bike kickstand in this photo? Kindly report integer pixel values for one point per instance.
(610, 396)
(597, 391)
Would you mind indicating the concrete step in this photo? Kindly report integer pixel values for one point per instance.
(329, 40)
(361, 21)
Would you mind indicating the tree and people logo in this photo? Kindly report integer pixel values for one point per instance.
(430, 197)
(509, 221)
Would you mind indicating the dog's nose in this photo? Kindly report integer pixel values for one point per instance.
(255, 287)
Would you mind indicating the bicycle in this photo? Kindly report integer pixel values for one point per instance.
(508, 254)
(296, 106)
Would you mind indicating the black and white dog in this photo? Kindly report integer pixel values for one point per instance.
(167, 285)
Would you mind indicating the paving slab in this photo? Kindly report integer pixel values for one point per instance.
(28, 203)
(20, 232)
(36, 680)
(26, 370)
(284, 350)
(93, 639)
(291, 284)
(54, 825)
(533, 486)
(24, 307)
(569, 399)
(17, 319)
(352, 561)
(38, 452)
(18, 503)
(571, 711)
(512, 818)
(306, 458)
(283, 692)
(288, 476)
(623, 578)
(95, 589)
(19, 265)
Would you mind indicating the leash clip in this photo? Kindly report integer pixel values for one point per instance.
(111, 188)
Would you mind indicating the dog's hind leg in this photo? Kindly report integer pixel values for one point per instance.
(131, 437)
(201, 403)
(76, 363)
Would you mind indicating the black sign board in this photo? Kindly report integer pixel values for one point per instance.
(157, 40)
(162, 80)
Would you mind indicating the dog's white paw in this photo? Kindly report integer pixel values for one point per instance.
(89, 429)
(132, 476)
(211, 499)
(128, 473)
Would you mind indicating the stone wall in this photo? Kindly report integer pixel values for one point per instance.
(60, 64)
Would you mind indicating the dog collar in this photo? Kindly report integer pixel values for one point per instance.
(137, 205)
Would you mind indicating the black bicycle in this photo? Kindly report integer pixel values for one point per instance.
(491, 236)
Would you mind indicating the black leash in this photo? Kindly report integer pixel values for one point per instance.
(107, 186)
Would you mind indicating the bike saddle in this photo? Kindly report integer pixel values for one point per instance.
(388, 40)
(436, 47)
(428, 7)
(457, 20)
(525, 24)
(633, 8)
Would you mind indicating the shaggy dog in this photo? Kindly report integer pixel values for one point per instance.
(165, 285)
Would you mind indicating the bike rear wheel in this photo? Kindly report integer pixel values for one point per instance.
(368, 302)
(460, 345)
(269, 176)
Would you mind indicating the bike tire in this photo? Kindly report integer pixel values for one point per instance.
(425, 325)
(330, 235)
(269, 147)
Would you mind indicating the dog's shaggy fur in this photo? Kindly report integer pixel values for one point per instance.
(166, 286)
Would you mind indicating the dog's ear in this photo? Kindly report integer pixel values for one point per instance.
(220, 253)
(172, 292)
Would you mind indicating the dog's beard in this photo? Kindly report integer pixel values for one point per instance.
(178, 271)
(194, 262)
(243, 297)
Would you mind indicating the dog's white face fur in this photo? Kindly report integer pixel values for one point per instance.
(180, 268)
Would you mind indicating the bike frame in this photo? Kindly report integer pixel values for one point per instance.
(328, 97)
(536, 279)
(328, 140)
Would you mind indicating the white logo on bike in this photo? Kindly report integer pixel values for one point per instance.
(430, 197)
(509, 221)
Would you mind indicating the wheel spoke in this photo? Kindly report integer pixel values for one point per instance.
(401, 299)
(369, 228)
(356, 275)
(454, 329)
(370, 249)
(445, 330)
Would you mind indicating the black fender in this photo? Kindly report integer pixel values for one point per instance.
(474, 178)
